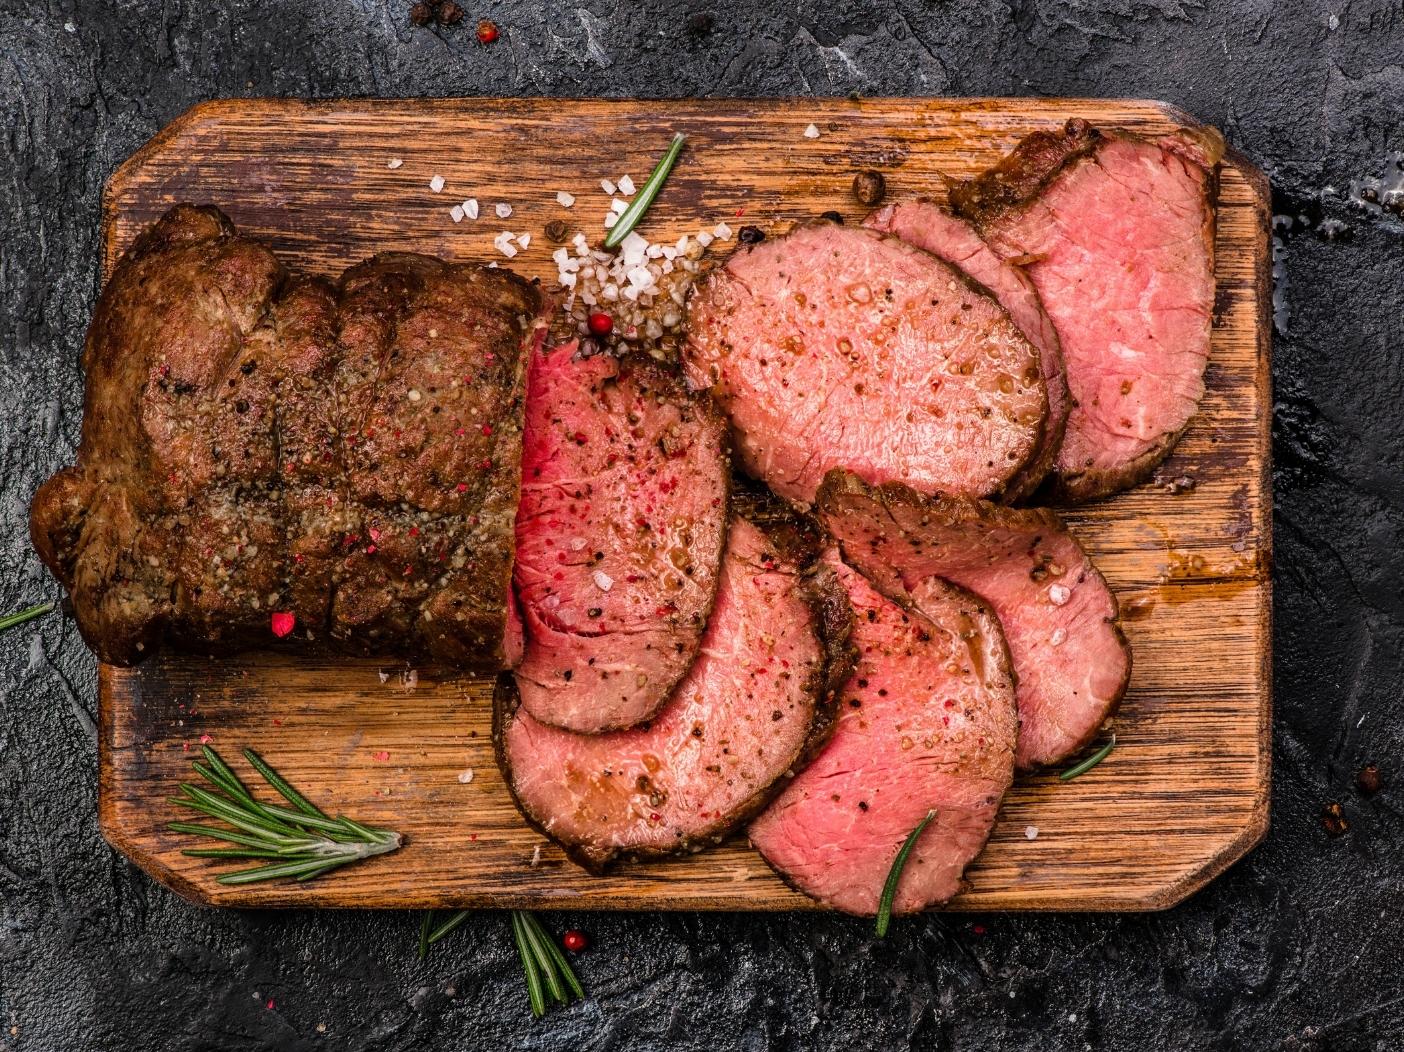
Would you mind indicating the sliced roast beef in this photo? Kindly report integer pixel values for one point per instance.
(1117, 234)
(926, 722)
(836, 346)
(1058, 614)
(931, 227)
(268, 456)
(619, 537)
(752, 710)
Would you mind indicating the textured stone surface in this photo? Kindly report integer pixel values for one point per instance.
(1295, 948)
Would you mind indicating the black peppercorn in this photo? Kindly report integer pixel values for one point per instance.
(832, 217)
(449, 14)
(421, 14)
(557, 230)
(869, 187)
(751, 235)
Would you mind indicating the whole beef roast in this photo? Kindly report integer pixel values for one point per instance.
(619, 536)
(841, 347)
(755, 706)
(265, 455)
(933, 228)
(1117, 234)
(926, 723)
(1058, 614)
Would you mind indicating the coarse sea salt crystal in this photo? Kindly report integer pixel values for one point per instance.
(470, 208)
(1059, 594)
(618, 205)
(561, 256)
(704, 239)
(456, 213)
(607, 186)
(464, 777)
(564, 199)
(722, 231)
(503, 243)
(1031, 832)
(603, 581)
(1058, 638)
(626, 186)
(437, 184)
(524, 240)
(812, 132)
(393, 163)
(503, 210)
(611, 219)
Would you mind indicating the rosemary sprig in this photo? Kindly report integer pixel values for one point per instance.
(550, 980)
(889, 889)
(1089, 763)
(28, 614)
(301, 842)
(643, 200)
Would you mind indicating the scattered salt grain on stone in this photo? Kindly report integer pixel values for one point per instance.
(1031, 832)
(464, 777)
(437, 184)
(503, 210)
(470, 208)
(564, 199)
(603, 581)
(812, 132)
(626, 186)
(394, 163)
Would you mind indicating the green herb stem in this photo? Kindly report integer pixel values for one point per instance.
(299, 843)
(28, 614)
(1089, 763)
(894, 875)
(643, 200)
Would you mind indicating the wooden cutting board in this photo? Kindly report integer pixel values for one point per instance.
(1184, 794)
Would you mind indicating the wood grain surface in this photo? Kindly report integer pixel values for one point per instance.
(1184, 794)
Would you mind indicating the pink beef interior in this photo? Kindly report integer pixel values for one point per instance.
(1120, 247)
(840, 347)
(933, 229)
(1058, 614)
(927, 721)
(734, 727)
(619, 537)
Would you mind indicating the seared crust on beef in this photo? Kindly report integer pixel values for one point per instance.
(255, 442)
(1022, 174)
(830, 621)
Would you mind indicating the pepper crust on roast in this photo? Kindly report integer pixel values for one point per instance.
(258, 443)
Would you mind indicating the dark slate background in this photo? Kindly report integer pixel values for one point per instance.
(1298, 947)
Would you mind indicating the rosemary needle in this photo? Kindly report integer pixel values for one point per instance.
(297, 843)
(550, 980)
(643, 200)
(889, 889)
(27, 614)
(1089, 763)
